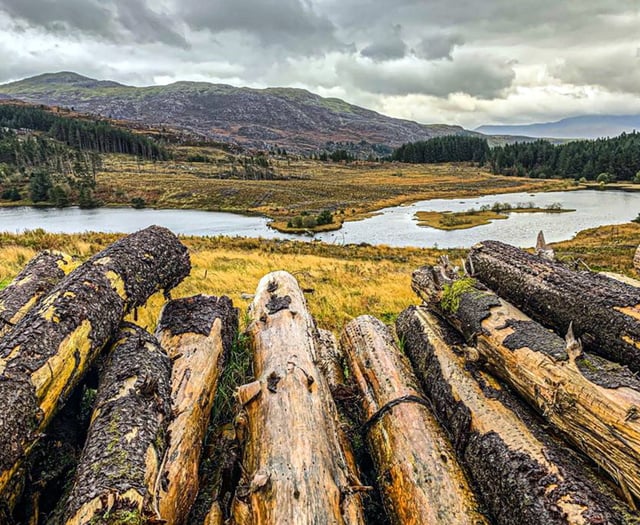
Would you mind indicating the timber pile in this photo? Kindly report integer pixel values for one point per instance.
(489, 418)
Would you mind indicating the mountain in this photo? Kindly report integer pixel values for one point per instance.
(292, 118)
(584, 127)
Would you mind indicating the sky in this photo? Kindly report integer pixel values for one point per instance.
(467, 62)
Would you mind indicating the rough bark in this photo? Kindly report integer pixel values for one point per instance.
(295, 464)
(419, 476)
(120, 463)
(522, 474)
(330, 359)
(594, 402)
(197, 333)
(47, 353)
(605, 312)
(37, 278)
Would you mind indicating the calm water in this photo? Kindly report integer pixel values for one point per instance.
(394, 226)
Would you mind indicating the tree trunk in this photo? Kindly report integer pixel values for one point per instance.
(605, 312)
(47, 353)
(37, 278)
(523, 475)
(594, 402)
(295, 464)
(197, 334)
(419, 476)
(120, 464)
(330, 359)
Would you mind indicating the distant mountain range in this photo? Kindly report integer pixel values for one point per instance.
(292, 118)
(584, 127)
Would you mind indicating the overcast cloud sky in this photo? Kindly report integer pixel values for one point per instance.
(467, 62)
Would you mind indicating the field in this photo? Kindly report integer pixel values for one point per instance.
(342, 282)
(350, 190)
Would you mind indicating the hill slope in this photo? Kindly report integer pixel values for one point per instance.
(584, 127)
(292, 118)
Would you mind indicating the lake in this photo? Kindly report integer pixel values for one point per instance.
(393, 226)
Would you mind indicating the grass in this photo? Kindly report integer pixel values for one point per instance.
(347, 281)
(348, 190)
(447, 220)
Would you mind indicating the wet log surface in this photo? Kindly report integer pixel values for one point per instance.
(295, 464)
(197, 333)
(419, 476)
(605, 312)
(47, 353)
(37, 278)
(593, 402)
(120, 463)
(522, 473)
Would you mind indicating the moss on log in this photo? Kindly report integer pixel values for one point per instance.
(37, 278)
(594, 402)
(419, 476)
(605, 312)
(120, 463)
(47, 353)
(295, 464)
(197, 333)
(522, 474)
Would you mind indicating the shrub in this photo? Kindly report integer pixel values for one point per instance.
(325, 217)
(138, 203)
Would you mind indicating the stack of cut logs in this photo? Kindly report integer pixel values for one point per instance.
(519, 412)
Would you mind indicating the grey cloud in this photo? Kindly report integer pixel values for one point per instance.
(616, 70)
(385, 50)
(479, 77)
(290, 24)
(438, 46)
(387, 46)
(120, 21)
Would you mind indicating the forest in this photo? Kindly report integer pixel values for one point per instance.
(94, 135)
(605, 160)
(54, 159)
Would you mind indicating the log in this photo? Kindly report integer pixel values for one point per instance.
(197, 334)
(330, 359)
(296, 470)
(36, 279)
(605, 312)
(48, 352)
(120, 463)
(593, 402)
(522, 474)
(419, 476)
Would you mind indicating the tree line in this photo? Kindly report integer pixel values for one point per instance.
(450, 148)
(606, 159)
(92, 135)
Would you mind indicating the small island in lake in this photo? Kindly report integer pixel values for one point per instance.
(448, 220)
